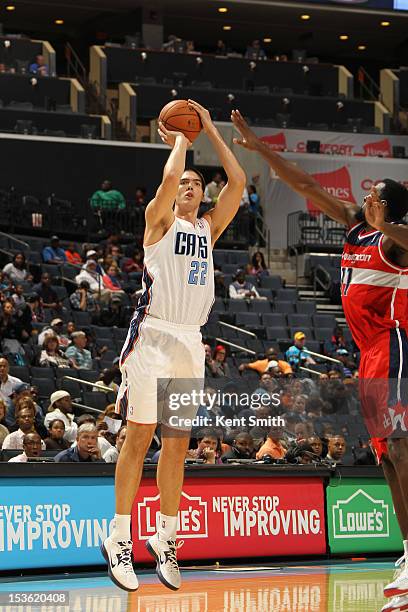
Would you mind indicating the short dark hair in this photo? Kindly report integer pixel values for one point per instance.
(396, 196)
(198, 173)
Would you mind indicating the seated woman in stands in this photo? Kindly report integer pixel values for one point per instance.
(52, 356)
(17, 270)
(258, 265)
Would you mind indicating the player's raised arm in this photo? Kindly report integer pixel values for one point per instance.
(296, 178)
(159, 212)
(228, 201)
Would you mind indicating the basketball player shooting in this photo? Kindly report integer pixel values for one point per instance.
(375, 302)
(164, 342)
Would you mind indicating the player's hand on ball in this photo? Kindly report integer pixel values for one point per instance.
(169, 138)
(249, 140)
(203, 113)
(374, 211)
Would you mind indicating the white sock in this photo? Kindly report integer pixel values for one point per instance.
(121, 529)
(167, 527)
(405, 549)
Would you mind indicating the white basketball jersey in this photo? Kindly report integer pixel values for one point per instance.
(178, 277)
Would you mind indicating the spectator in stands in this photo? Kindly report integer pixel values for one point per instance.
(21, 392)
(316, 445)
(55, 439)
(208, 447)
(111, 280)
(273, 446)
(44, 290)
(336, 449)
(220, 361)
(84, 300)
(115, 314)
(32, 448)
(80, 357)
(210, 367)
(262, 365)
(32, 313)
(242, 448)
(254, 51)
(221, 48)
(86, 449)
(140, 197)
(25, 422)
(258, 266)
(12, 332)
(240, 289)
(3, 428)
(17, 270)
(112, 454)
(8, 384)
(107, 199)
(19, 299)
(55, 329)
(54, 254)
(90, 274)
(51, 354)
(174, 44)
(72, 255)
(213, 189)
(39, 67)
(134, 263)
(296, 355)
(267, 385)
(303, 430)
(299, 404)
(106, 379)
(190, 48)
(220, 289)
(244, 203)
(61, 408)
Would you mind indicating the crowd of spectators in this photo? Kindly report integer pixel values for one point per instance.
(36, 330)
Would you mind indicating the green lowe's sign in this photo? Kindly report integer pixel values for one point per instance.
(361, 516)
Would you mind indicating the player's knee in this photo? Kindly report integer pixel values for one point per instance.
(139, 437)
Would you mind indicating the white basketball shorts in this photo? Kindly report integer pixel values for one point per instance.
(160, 362)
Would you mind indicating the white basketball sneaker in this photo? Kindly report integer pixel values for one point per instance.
(399, 586)
(165, 554)
(396, 604)
(118, 556)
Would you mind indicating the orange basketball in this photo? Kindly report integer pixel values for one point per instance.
(177, 116)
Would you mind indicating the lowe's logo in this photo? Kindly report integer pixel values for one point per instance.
(360, 516)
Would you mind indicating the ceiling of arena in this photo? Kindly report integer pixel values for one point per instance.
(200, 20)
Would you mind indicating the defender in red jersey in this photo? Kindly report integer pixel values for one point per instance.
(375, 300)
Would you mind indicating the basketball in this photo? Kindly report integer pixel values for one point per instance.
(179, 117)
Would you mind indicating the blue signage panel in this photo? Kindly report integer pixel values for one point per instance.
(51, 522)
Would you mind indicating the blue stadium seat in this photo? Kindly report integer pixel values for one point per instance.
(324, 320)
(46, 372)
(247, 319)
(237, 306)
(274, 319)
(286, 307)
(300, 320)
(306, 308)
(323, 333)
(262, 306)
(277, 333)
(271, 282)
(287, 295)
(21, 372)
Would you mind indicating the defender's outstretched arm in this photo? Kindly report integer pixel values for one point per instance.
(294, 177)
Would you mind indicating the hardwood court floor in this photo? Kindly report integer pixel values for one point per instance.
(317, 587)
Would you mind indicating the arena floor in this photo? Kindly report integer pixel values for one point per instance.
(355, 586)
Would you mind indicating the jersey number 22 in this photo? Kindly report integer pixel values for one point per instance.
(198, 273)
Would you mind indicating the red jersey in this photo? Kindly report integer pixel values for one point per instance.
(374, 290)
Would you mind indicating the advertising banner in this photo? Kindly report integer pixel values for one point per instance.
(239, 517)
(361, 517)
(332, 143)
(46, 522)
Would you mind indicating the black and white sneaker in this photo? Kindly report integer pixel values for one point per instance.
(165, 554)
(118, 556)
